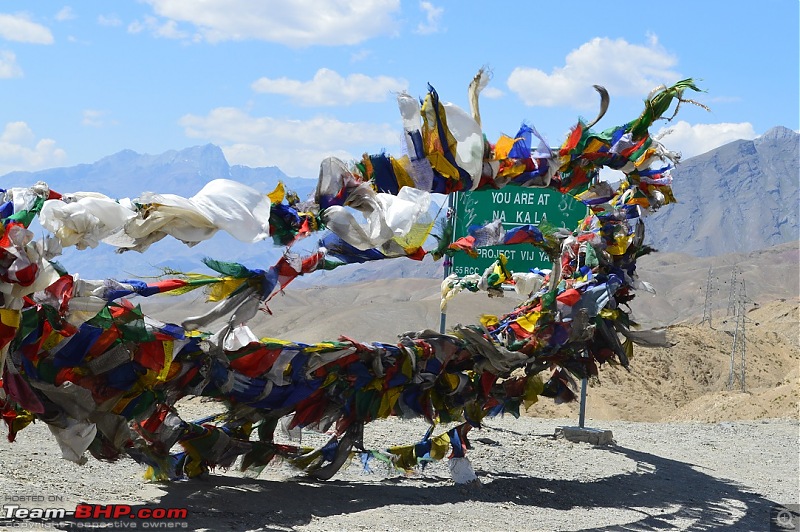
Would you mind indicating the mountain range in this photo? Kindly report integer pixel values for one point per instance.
(737, 198)
(128, 174)
(182, 172)
(740, 197)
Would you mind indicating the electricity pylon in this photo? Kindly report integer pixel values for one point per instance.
(707, 304)
(739, 349)
(732, 292)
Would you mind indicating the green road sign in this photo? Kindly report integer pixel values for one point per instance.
(514, 206)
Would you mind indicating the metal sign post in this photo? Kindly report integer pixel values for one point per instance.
(582, 412)
(448, 265)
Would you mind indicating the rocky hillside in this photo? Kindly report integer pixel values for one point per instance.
(690, 381)
(740, 197)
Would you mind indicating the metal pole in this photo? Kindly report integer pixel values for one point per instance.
(584, 385)
(451, 215)
(582, 414)
(442, 321)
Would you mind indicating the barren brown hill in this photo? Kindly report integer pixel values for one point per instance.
(688, 381)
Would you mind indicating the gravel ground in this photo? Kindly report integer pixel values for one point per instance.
(665, 476)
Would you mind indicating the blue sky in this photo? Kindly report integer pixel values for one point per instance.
(288, 83)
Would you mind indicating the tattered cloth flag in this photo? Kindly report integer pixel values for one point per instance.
(79, 356)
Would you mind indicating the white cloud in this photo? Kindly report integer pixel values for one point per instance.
(109, 20)
(329, 88)
(8, 65)
(65, 13)
(167, 29)
(95, 118)
(17, 132)
(19, 150)
(135, 27)
(492, 93)
(360, 55)
(296, 146)
(19, 28)
(300, 162)
(297, 23)
(696, 139)
(623, 68)
(433, 17)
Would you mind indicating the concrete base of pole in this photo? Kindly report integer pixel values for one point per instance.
(585, 435)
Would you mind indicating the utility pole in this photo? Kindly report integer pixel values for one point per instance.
(739, 349)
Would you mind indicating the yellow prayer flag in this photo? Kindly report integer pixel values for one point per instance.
(277, 195)
(388, 400)
(534, 386)
(620, 245)
(511, 171)
(442, 165)
(9, 318)
(53, 340)
(416, 236)
(275, 341)
(451, 379)
(404, 457)
(439, 446)
(400, 172)
(375, 384)
(224, 288)
(488, 320)
(168, 348)
(503, 147)
(528, 321)
(609, 314)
